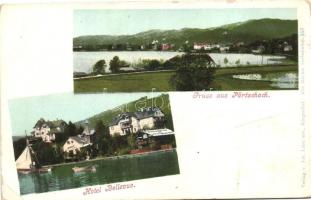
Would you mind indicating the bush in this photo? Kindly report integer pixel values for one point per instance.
(153, 64)
(148, 64)
(187, 59)
(226, 61)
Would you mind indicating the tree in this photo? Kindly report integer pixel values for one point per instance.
(226, 61)
(99, 67)
(45, 153)
(103, 138)
(70, 130)
(131, 141)
(194, 76)
(79, 130)
(115, 64)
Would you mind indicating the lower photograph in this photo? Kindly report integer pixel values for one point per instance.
(67, 141)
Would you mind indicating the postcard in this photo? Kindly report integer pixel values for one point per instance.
(57, 149)
(155, 100)
(175, 50)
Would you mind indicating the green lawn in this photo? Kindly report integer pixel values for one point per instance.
(145, 82)
(125, 83)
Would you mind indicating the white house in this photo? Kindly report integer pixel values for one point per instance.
(75, 143)
(130, 122)
(288, 48)
(224, 49)
(260, 49)
(47, 130)
(200, 46)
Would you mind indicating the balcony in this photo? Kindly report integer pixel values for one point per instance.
(125, 125)
(125, 121)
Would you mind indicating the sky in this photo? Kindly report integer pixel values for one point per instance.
(125, 22)
(26, 112)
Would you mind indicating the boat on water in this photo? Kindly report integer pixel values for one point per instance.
(84, 169)
(26, 163)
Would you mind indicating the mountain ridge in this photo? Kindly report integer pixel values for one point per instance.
(246, 31)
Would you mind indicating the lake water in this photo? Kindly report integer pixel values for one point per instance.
(83, 61)
(107, 171)
(284, 80)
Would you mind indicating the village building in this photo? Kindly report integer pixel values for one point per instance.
(259, 50)
(88, 134)
(165, 47)
(288, 48)
(75, 144)
(239, 44)
(155, 44)
(200, 46)
(224, 49)
(206, 47)
(132, 122)
(47, 130)
(163, 137)
(77, 48)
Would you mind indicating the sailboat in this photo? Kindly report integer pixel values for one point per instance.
(25, 163)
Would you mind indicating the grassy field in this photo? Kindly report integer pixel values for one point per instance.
(145, 82)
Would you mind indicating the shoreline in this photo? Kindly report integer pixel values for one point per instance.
(160, 80)
(110, 158)
(125, 73)
(171, 70)
(175, 51)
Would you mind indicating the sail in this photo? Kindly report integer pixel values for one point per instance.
(24, 160)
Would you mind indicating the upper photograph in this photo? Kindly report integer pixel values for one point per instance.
(145, 50)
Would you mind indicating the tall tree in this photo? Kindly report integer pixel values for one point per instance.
(131, 140)
(70, 130)
(103, 138)
(115, 64)
(99, 67)
(226, 61)
(193, 75)
(46, 154)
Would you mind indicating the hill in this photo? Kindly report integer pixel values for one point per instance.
(248, 31)
(161, 101)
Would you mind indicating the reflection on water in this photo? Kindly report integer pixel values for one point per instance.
(107, 171)
(278, 79)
